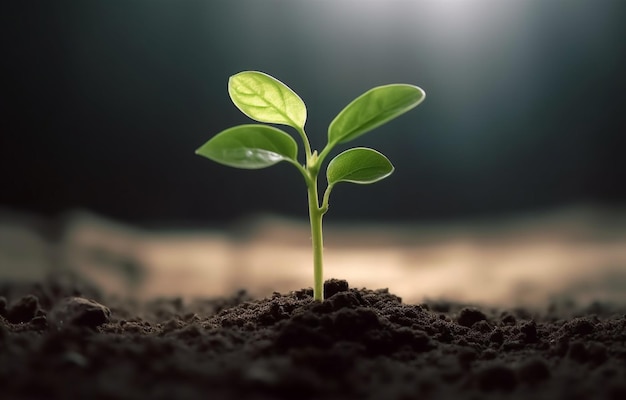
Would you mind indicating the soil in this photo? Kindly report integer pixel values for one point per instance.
(60, 339)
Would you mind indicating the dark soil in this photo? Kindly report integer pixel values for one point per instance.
(358, 344)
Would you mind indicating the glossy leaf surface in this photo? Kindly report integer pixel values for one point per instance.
(250, 147)
(266, 99)
(358, 165)
(372, 109)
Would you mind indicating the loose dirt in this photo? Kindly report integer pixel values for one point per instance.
(63, 340)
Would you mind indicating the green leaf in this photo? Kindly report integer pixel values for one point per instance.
(266, 99)
(358, 165)
(250, 147)
(372, 109)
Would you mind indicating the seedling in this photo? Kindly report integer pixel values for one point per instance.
(254, 146)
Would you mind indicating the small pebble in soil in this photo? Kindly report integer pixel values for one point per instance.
(23, 310)
(79, 311)
(470, 316)
(333, 286)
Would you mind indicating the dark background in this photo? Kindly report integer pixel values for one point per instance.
(104, 102)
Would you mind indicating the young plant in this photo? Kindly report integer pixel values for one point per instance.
(254, 146)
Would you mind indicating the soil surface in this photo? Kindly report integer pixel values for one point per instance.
(63, 340)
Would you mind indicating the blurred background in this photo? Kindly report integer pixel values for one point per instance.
(516, 147)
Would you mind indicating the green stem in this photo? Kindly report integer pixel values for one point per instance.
(315, 215)
(325, 151)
